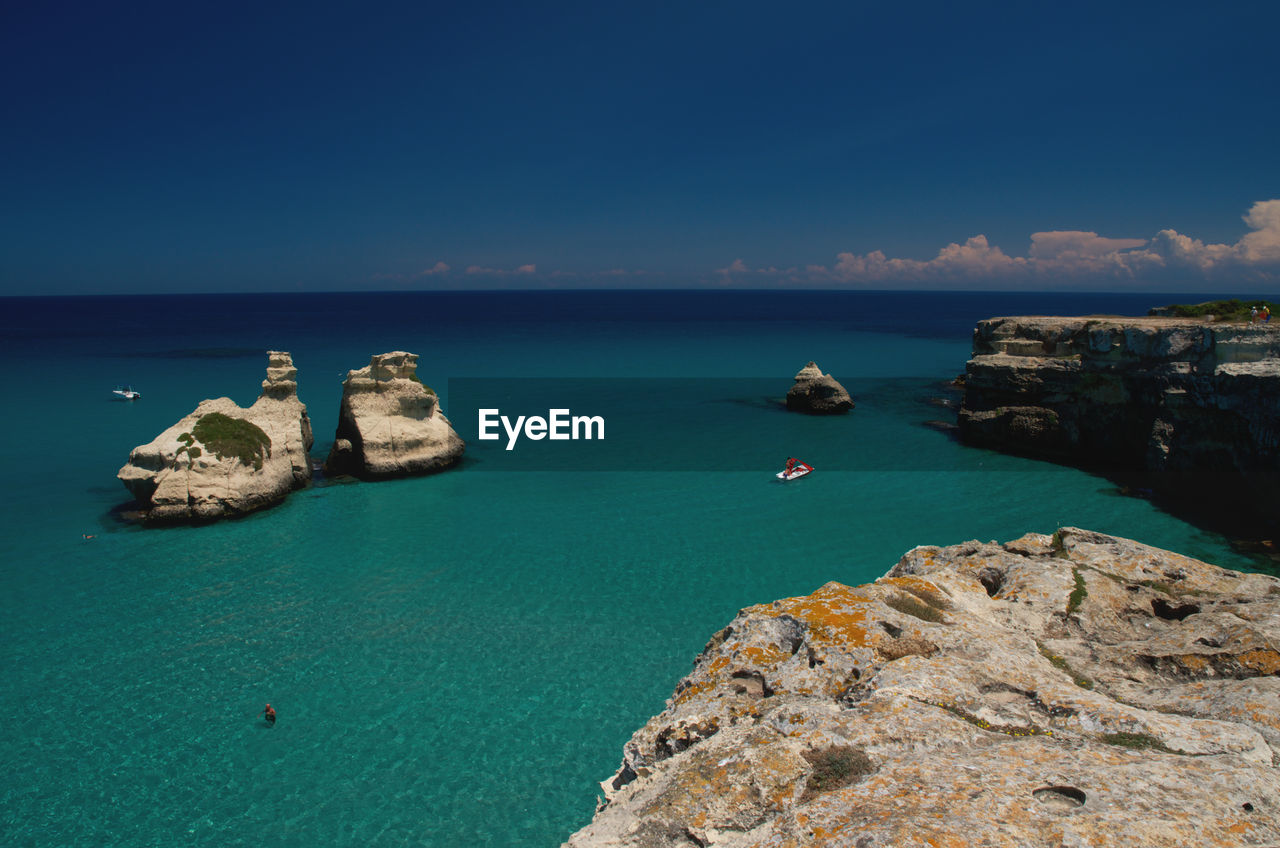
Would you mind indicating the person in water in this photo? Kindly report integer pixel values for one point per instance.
(270, 715)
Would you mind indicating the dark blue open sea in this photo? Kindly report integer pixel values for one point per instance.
(458, 659)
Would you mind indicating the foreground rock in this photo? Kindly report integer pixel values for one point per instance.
(222, 460)
(1078, 689)
(817, 393)
(1149, 395)
(390, 424)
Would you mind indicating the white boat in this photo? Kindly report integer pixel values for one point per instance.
(125, 393)
(800, 469)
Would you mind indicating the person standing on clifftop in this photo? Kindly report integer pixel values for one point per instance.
(1266, 314)
(1253, 315)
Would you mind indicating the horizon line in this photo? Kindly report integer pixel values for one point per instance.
(647, 290)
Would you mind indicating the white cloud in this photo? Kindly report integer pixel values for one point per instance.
(1067, 255)
(501, 272)
(1063, 243)
(438, 268)
(1263, 244)
(737, 266)
(975, 258)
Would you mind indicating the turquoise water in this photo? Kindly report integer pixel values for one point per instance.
(458, 659)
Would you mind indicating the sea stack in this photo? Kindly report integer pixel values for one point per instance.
(222, 460)
(816, 393)
(1064, 689)
(390, 424)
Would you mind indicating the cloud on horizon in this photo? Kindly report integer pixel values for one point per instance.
(1061, 256)
(1054, 258)
(474, 270)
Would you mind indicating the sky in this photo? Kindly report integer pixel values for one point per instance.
(196, 147)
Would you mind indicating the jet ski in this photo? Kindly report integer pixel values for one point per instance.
(795, 471)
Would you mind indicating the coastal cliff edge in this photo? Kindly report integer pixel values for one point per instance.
(1076, 689)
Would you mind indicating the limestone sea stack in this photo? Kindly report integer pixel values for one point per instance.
(222, 460)
(390, 424)
(817, 393)
(1073, 689)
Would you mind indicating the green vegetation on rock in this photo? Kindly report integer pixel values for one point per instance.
(233, 438)
(1138, 741)
(835, 767)
(1078, 594)
(1062, 665)
(415, 378)
(1221, 310)
(1058, 546)
(1006, 729)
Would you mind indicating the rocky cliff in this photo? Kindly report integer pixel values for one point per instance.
(817, 393)
(1152, 395)
(1075, 689)
(222, 460)
(390, 424)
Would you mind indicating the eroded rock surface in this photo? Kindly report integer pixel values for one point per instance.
(817, 393)
(1147, 395)
(1075, 689)
(236, 461)
(390, 424)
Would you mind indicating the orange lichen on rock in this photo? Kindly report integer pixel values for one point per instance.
(760, 656)
(1193, 662)
(973, 728)
(1261, 661)
(836, 614)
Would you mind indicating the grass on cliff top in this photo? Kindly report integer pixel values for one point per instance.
(1138, 741)
(233, 438)
(1222, 310)
(1078, 594)
(1006, 729)
(835, 767)
(1062, 665)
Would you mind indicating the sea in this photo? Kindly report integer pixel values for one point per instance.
(458, 659)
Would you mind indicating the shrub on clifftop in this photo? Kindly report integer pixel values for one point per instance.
(235, 438)
(1221, 310)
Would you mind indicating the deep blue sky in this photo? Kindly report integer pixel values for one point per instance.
(223, 147)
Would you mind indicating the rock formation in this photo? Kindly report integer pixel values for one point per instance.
(1074, 689)
(222, 460)
(390, 424)
(817, 393)
(1135, 395)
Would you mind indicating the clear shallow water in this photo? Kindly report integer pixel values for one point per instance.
(455, 660)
